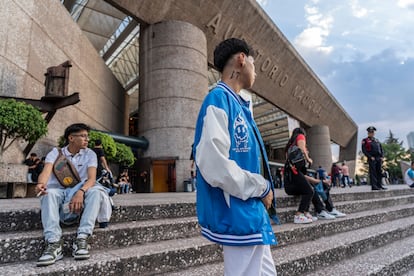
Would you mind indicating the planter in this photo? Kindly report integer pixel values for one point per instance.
(13, 180)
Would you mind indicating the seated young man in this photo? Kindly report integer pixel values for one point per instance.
(332, 212)
(84, 199)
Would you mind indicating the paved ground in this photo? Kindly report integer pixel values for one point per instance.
(165, 198)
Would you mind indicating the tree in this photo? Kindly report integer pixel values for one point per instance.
(19, 120)
(393, 154)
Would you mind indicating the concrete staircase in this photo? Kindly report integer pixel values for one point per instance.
(158, 234)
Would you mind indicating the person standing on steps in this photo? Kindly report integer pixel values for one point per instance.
(234, 185)
(372, 149)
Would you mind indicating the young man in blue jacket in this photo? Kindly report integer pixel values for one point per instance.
(234, 187)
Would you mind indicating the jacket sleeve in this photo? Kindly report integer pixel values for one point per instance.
(212, 159)
(364, 149)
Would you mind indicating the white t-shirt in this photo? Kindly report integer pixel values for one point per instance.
(84, 159)
(409, 176)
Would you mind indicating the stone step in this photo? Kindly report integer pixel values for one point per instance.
(395, 258)
(20, 246)
(169, 256)
(24, 214)
(324, 252)
(15, 247)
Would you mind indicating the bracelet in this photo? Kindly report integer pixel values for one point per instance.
(81, 189)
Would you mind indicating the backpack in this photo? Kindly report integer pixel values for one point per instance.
(65, 172)
(296, 157)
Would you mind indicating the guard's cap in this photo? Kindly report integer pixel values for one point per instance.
(371, 129)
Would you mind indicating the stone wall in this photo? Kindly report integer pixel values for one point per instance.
(36, 35)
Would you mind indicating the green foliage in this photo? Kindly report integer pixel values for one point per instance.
(108, 143)
(19, 120)
(114, 152)
(393, 154)
(124, 155)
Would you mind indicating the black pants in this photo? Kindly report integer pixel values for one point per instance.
(375, 172)
(300, 186)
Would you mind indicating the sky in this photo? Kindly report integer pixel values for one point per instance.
(363, 51)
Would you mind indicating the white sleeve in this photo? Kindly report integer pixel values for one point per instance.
(212, 159)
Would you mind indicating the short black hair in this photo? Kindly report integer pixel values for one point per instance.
(75, 128)
(225, 49)
(98, 142)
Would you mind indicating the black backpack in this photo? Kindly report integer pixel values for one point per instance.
(296, 157)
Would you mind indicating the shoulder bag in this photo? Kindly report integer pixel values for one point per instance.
(65, 172)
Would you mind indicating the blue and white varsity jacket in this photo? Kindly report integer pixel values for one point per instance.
(230, 185)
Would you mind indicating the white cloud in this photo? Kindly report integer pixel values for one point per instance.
(406, 3)
(318, 29)
(357, 10)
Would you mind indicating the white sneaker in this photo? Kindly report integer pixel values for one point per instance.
(301, 219)
(336, 213)
(325, 215)
(309, 215)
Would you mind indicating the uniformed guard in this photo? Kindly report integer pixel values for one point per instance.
(372, 149)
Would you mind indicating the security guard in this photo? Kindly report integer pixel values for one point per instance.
(372, 149)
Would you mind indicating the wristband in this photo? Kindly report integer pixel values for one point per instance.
(81, 189)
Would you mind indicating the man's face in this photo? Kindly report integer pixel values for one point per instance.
(249, 74)
(79, 139)
(371, 133)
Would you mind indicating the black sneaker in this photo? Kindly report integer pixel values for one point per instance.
(103, 224)
(51, 254)
(80, 249)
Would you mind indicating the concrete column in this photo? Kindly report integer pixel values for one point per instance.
(348, 154)
(319, 145)
(173, 83)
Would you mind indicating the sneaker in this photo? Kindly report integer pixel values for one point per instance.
(51, 254)
(300, 219)
(309, 215)
(81, 249)
(336, 213)
(325, 215)
(104, 224)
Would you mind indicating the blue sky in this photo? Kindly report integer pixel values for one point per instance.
(363, 51)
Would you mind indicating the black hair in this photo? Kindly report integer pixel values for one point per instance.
(225, 49)
(295, 134)
(98, 142)
(73, 129)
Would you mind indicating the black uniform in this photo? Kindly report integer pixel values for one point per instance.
(372, 149)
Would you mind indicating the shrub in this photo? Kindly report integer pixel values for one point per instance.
(124, 155)
(108, 143)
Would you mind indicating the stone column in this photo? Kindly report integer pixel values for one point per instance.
(348, 154)
(173, 83)
(319, 145)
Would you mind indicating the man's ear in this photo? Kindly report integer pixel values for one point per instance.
(241, 59)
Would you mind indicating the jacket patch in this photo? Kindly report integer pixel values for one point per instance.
(241, 134)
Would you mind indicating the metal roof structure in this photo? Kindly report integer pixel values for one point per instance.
(115, 36)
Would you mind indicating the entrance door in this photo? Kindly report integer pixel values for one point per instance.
(163, 173)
